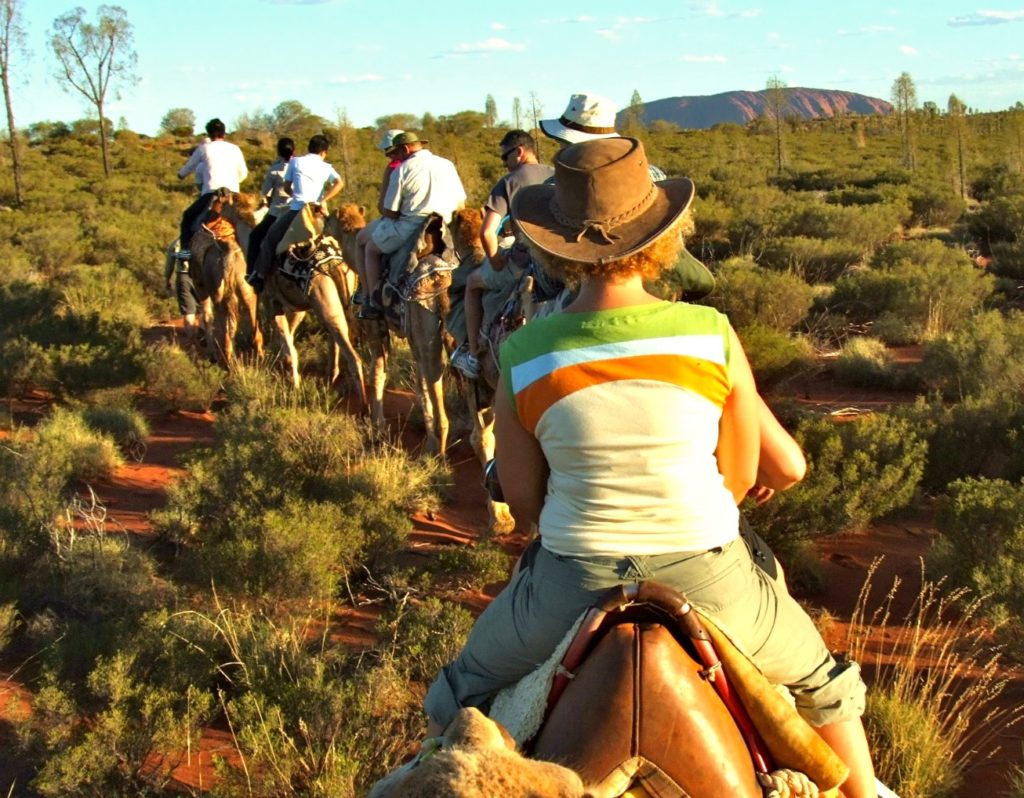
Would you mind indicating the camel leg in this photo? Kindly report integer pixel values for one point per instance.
(426, 344)
(285, 324)
(251, 302)
(499, 518)
(337, 326)
(209, 328)
(378, 340)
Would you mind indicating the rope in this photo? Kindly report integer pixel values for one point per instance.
(787, 784)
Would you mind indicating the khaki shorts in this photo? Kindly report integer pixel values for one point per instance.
(527, 620)
(390, 234)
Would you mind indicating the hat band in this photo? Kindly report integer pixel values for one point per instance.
(585, 128)
(603, 227)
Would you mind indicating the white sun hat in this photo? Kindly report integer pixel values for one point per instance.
(586, 117)
(388, 139)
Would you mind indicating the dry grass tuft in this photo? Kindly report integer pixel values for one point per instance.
(934, 706)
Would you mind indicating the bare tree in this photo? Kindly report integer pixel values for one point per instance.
(345, 132)
(536, 109)
(904, 100)
(957, 110)
(517, 113)
(491, 111)
(93, 58)
(12, 38)
(775, 92)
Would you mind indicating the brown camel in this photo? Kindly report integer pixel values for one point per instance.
(218, 272)
(479, 393)
(423, 324)
(329, 296)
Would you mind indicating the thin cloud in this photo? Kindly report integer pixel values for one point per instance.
(498, 26)
(986, 18)
(703, 59)
(906, 49)
(346, 79)
(495, 44)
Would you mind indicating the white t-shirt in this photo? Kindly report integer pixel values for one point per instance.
(308, 174)
(220, 163)
(425, 183)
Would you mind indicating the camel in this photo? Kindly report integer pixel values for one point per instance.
(476, 758)
(479, 393)
(329, 297)
(422, 322)
(218, 272)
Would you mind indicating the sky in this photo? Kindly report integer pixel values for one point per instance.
(370, 58)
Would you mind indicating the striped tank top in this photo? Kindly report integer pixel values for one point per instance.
(626, 405)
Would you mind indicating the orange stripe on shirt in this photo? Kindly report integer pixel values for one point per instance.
(704, 378)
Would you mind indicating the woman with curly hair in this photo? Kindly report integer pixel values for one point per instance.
(627, 430)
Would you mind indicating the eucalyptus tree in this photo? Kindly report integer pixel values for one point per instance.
(775, 93)
(12, 39)
(94, 58)
(904, 101)
(957, 111)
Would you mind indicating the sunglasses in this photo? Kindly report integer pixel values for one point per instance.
(504, 155)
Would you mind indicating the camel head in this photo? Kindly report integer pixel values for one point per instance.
(237, 207)
(476, 758)
(349, 217)
(465, 229)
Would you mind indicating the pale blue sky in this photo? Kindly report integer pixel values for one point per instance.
(372, 57)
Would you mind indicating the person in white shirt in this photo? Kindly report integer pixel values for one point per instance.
(221, 165)
(424, 184)
(309, 179)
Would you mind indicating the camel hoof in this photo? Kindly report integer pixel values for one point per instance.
(502, 522)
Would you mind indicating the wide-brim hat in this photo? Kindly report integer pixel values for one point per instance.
(404, 138)
(387, 141)
(603, 204)
(586, 117)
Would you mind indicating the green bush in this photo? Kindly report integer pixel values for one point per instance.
(983, 359)
(858, 471)
(916, 291)
(89, 453)
(126, 425)
(815, 260)
(865, 362)
(750, 295)
(775, 356)
(180, 383)
(982, 544)
(107, 292)
(863, 226)
(475, 566)
(426, 636)
(936, 206)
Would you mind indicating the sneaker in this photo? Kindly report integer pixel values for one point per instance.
(465, 362)
(370, 312)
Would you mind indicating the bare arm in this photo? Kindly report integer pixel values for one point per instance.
(522, 467)
(738, 434)
(489, 240)
(781, 463)
(334, 190)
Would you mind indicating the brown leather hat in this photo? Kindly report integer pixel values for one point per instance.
(603, 204)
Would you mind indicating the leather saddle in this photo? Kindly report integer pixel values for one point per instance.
(636, 704)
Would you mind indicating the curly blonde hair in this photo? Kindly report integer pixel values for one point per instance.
(649, 262)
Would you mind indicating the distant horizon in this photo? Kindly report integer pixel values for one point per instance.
(369, 60)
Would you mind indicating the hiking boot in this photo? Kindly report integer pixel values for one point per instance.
(370, 311)
(465, 362)
(359, 298)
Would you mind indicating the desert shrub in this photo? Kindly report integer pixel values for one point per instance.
(863, 226)
(908, 300)
(999, 219)
(858, 471)
(281, 463)
(8, 623)
(982, 544)
(982, 359)
(126, 425)
(475, 566)
(973, 438)
(426, 635)
(750, 295)
(773, 355)
(107, 292)
(53, 242)
(1008, 260)
(935, 206)
(934, 699)
(178, 381)
(815, 260)
(146, 712)
(90, 454)
(864, 362)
